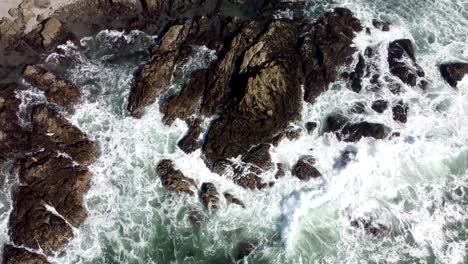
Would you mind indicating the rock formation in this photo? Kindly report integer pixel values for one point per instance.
(454, 72)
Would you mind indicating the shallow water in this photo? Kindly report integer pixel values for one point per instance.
(415, 185)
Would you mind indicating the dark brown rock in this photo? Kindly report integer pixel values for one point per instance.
(379, 105)
(49, 201)
(402, 61)
(305, 170)
(356, 76)
(453, 72)
(310, 127)
(209, 195)
(259, 157)
(230, 198)
(189, 143)
(53, 33)
(400, 112)
(57, 90)
(250, 181)
(50, 126)
(382, 25)
(280, 173)
(14, 255)
(353, 132)
(327, 47)
(173, 179)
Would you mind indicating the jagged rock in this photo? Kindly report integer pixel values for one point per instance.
(402, 61)
(57, 90)
(305, 170)
(14, 255)
(400, 112)
(189, 143)
(259, 157)
(187, 101)
(380, 106)
(209, 195)
(382, 25)
(250, 181)
(454, 72)
(327, 47)
(280, 171)
(173, 179)
(230, 198)
(49, 125)
(356, 76)
(13, 138)
(155, 77)
(49, 201)
(353, 132)
(310, 127)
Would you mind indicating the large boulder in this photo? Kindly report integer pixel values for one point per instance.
(305, 170)
(173, 179)
(402, 62)
(454, 72)
(53, 33)
(353, 132)
(57, 90)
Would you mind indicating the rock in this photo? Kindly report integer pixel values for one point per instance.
(280, 173)
(244, 250)
(196, 219)
(380, 106)
(49, 201)
(14, 255)
(353, 132)
(305, 170)
(155, 77)
(402, 61)
(173, 179)
(310, 127)
(13, 138)
(268, 99)
(189, 143)
(250, 181)
(53, 33)
(259, 157)
(400, 112)
(328, 46)
(230, 198)
(382, 25)
(57, 90)
(187, 102)
(453, 72)
(356, 76)
(209, 195)
(49, 126)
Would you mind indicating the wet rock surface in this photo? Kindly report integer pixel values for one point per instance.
(230, 198)
(190, 142)
(453, 72)
(380, 106)
(209, 195)
(304, 169)
(402, 62)
(353, 132)
(173, 179)
(57, 90)
(14, 255)
(400, 112)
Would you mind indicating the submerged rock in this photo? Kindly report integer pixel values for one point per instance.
(370, 226)
(453, 72)
(14, 255)
(382, 25)
(280, 172)
(173, 179)
(402, 61)
(230, 198)
(305, 170)
(400, 112)
(209, 195)
(310, 127)
(353, 132)
(57, 90)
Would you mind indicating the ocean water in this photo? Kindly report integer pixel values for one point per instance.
(413, 187)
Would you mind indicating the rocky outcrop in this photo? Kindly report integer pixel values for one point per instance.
(453, 72)
(173, 179)
(379, 106)
(259, 158)
(190, 142)
(402, 62)
(53, 33)
(209, 195)
(54, 177)
(57, 90)
(305, 170)
(14, 255)
(353, 132)
(400, 112)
